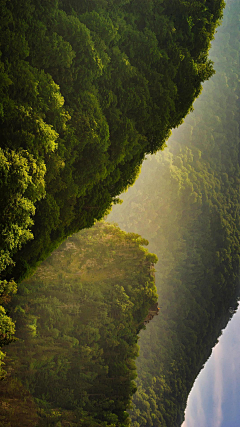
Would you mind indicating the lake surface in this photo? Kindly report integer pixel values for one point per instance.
(214, 398)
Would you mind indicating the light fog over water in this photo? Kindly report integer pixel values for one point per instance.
(214, 399)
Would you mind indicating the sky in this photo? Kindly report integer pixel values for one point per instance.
(214, 399)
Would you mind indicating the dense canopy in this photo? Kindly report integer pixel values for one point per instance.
(77, 322)
(87, 89)
(187, 203)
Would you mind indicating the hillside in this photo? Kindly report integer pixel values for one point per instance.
(187, 203)
(87, 89)
(77, 320)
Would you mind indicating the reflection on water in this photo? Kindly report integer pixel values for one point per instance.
(214, 399)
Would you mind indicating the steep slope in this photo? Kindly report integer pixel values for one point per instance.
(77, 321)
(87, 89)
(187, 203)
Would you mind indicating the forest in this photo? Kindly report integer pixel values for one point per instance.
(89, 90)
(77, 320)
(187, 203)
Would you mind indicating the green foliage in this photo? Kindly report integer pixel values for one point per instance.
(7, 326)
(17, 407)
(87, 89)
(186, 201)
(77, 322)
(21, 185)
